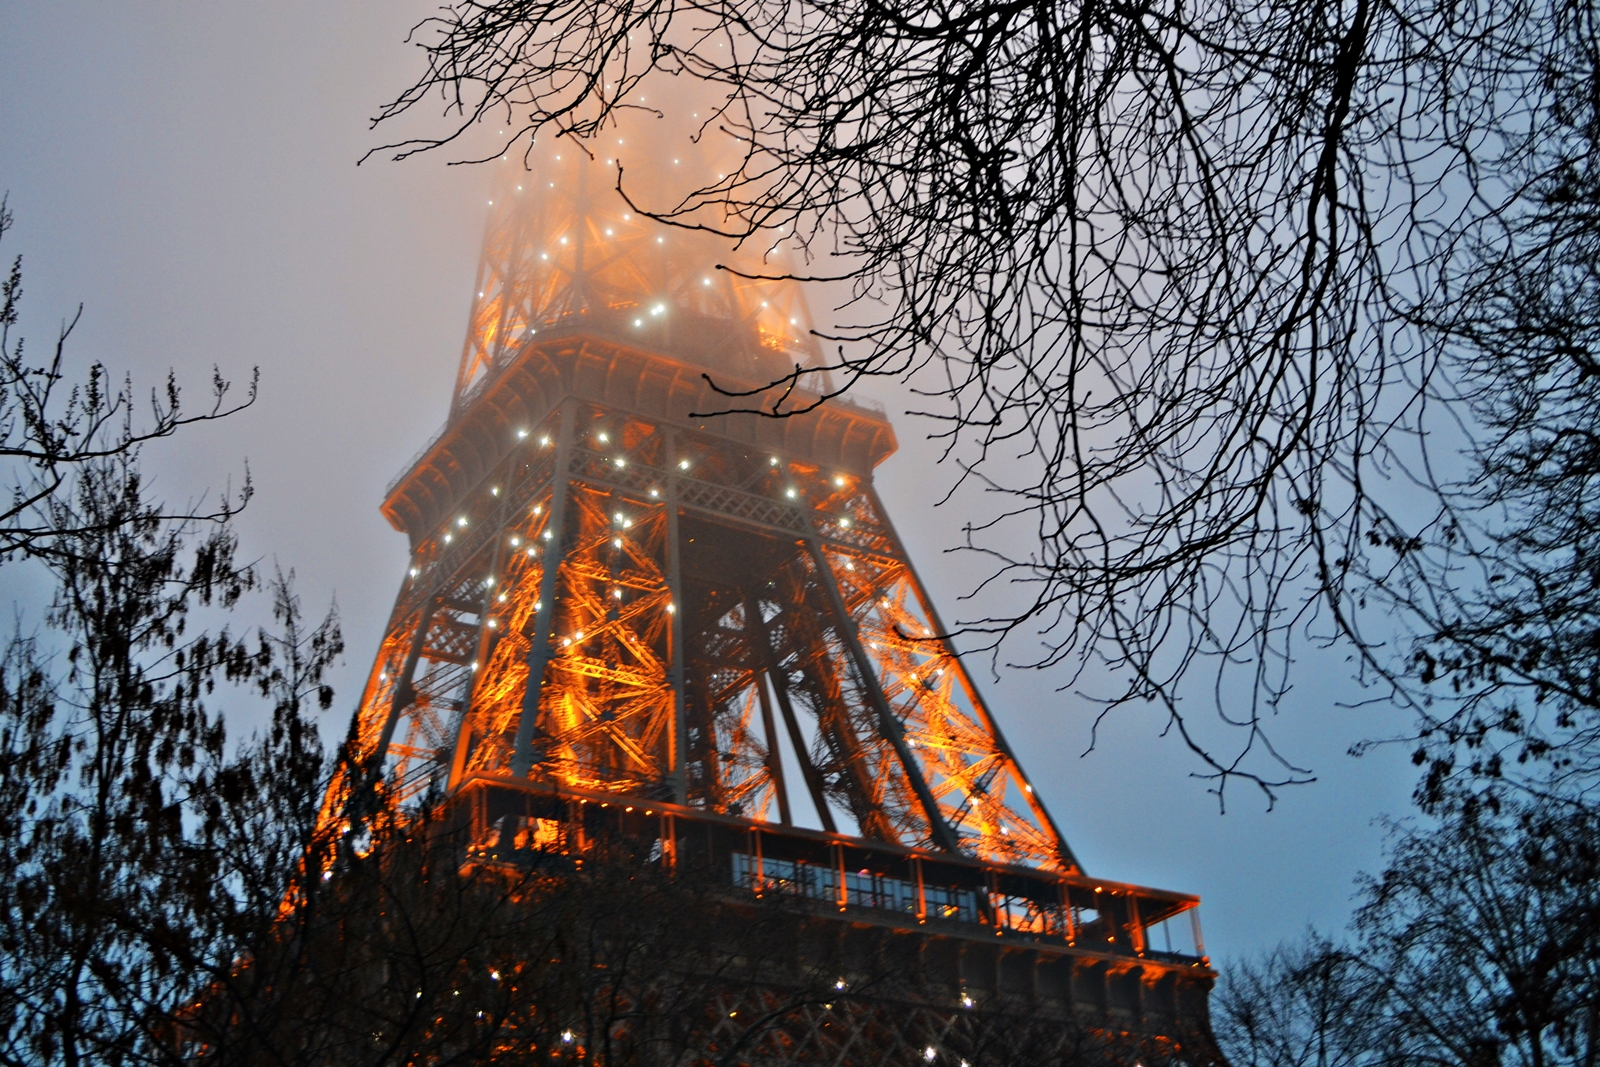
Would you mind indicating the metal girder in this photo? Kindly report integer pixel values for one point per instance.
(649, 583)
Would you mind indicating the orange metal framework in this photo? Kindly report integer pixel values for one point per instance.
(613, 601)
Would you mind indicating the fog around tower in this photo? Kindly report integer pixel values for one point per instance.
(189, 175)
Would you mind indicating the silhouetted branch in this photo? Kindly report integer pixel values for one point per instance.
(1166, 276)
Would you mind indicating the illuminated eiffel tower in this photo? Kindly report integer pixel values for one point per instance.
(625, 615)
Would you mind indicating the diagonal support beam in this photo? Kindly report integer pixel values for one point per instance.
(888, 725)
(554, 552)
(780, 686)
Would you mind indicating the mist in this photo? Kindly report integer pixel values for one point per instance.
(188, 172)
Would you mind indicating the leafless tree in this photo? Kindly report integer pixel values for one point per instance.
(1166, 275)
(53, 425)
(142, 855)
(1501, 588)
(1477, 946)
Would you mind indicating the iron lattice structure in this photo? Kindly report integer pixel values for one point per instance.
(624, 615)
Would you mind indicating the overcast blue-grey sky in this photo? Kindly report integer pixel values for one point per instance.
(187, 170)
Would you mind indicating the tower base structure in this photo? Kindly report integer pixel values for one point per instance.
(634, 630)
(888, 955)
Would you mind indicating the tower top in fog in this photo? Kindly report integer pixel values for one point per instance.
(563, 250)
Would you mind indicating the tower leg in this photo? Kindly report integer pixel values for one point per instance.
(888, 725)
(677, 773)
(774, 757)
(403, 694)
(463, 742)
(780, 687)
(549, 583)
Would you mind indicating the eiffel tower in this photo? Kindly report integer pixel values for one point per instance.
(624, 614)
